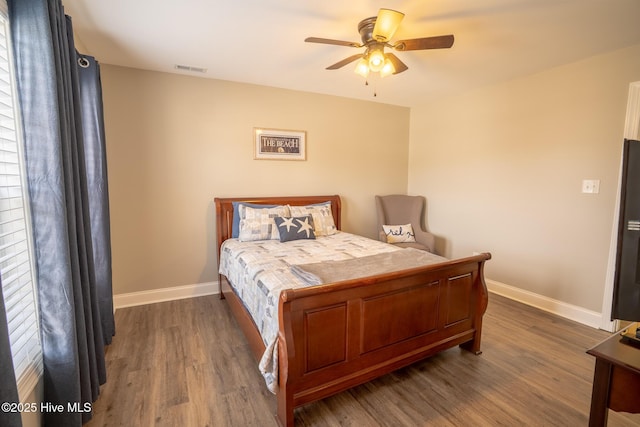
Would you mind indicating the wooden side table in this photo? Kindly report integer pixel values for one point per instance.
(616, 381)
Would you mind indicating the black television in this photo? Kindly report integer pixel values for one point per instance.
(626, 294)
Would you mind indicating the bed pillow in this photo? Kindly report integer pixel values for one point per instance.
(237, 215)
(295, 228)
(258, 223)
(399, 233)
(323, 224)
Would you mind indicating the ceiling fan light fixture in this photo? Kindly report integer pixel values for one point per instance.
(387, 69)
(362, 68)
(376, 60)
(387, 23)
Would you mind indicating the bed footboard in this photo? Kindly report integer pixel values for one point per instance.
(334, 337)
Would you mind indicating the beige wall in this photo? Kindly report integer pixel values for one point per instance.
(502, 169)
(176, 142)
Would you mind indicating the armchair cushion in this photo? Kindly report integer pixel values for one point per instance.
(399, 233)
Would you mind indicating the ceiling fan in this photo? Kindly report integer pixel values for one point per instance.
(376, 33)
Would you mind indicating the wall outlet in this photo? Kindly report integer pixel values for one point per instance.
(591, 186)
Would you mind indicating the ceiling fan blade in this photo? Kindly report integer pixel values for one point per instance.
(438, 42)
(398, 65)
(387, 23)
(331, 41)
(344, 62)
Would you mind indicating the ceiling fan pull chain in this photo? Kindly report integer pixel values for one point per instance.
(366, 83)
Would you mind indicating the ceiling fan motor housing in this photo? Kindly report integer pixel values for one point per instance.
(365, 28)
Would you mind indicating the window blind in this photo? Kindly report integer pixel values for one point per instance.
(16, 260)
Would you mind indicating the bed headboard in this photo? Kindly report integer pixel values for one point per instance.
(224, 210)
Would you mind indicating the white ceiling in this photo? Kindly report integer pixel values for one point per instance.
(262, 41)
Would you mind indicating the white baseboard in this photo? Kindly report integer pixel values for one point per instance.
(569, 311)
(164, 294)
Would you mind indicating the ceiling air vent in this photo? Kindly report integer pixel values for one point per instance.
(190, 68)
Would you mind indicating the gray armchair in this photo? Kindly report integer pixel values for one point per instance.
(399, 209)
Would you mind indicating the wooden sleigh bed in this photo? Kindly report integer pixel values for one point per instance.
(333, 337)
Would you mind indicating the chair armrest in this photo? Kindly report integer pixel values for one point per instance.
(426, 238)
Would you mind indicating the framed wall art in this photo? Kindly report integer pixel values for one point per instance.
(279, 144)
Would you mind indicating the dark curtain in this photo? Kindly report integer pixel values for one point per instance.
(96, 168)
(71, 317)
(8, 386)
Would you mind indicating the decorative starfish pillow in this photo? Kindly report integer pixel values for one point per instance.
(295, 227)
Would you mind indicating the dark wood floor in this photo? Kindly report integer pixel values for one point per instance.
(185, 363)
